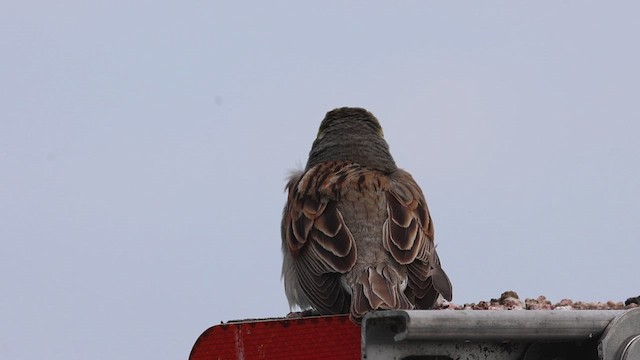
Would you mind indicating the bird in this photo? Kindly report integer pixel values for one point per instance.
(356, 231)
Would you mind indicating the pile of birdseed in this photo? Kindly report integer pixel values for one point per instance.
(509, 300)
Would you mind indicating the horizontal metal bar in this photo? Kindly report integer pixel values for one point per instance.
(489, 325)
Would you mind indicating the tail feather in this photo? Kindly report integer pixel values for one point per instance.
(378, 288)
(441, 282)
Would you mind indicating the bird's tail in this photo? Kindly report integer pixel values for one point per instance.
(378, 288)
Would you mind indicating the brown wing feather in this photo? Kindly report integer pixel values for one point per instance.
(408, 236)
(315, 234)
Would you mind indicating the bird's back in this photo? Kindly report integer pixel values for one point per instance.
(356, 230)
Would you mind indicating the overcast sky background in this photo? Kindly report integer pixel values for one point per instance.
(144, 148)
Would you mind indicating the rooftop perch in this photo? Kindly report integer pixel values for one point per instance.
(512, 329)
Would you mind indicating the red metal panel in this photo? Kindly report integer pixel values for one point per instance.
(319, 337)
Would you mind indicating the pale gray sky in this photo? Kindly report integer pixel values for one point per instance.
(144, 147)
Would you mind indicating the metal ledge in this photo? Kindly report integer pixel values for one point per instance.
(510, 334)
(621, 338)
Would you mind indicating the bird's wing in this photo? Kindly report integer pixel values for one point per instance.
(318, 240)
(408, 236)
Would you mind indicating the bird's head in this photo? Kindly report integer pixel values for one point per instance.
(351, 134)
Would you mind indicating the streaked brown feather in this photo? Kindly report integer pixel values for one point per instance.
(359, 303)
(301, 227)
(373, 297)
(380, 288)
(311, 207)
(330, 222)
(324, 290)
(398, 211)
(324, 248)
(338, 253)
(405, 238)
(416, 249)
(291, 239)
(322, 245)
